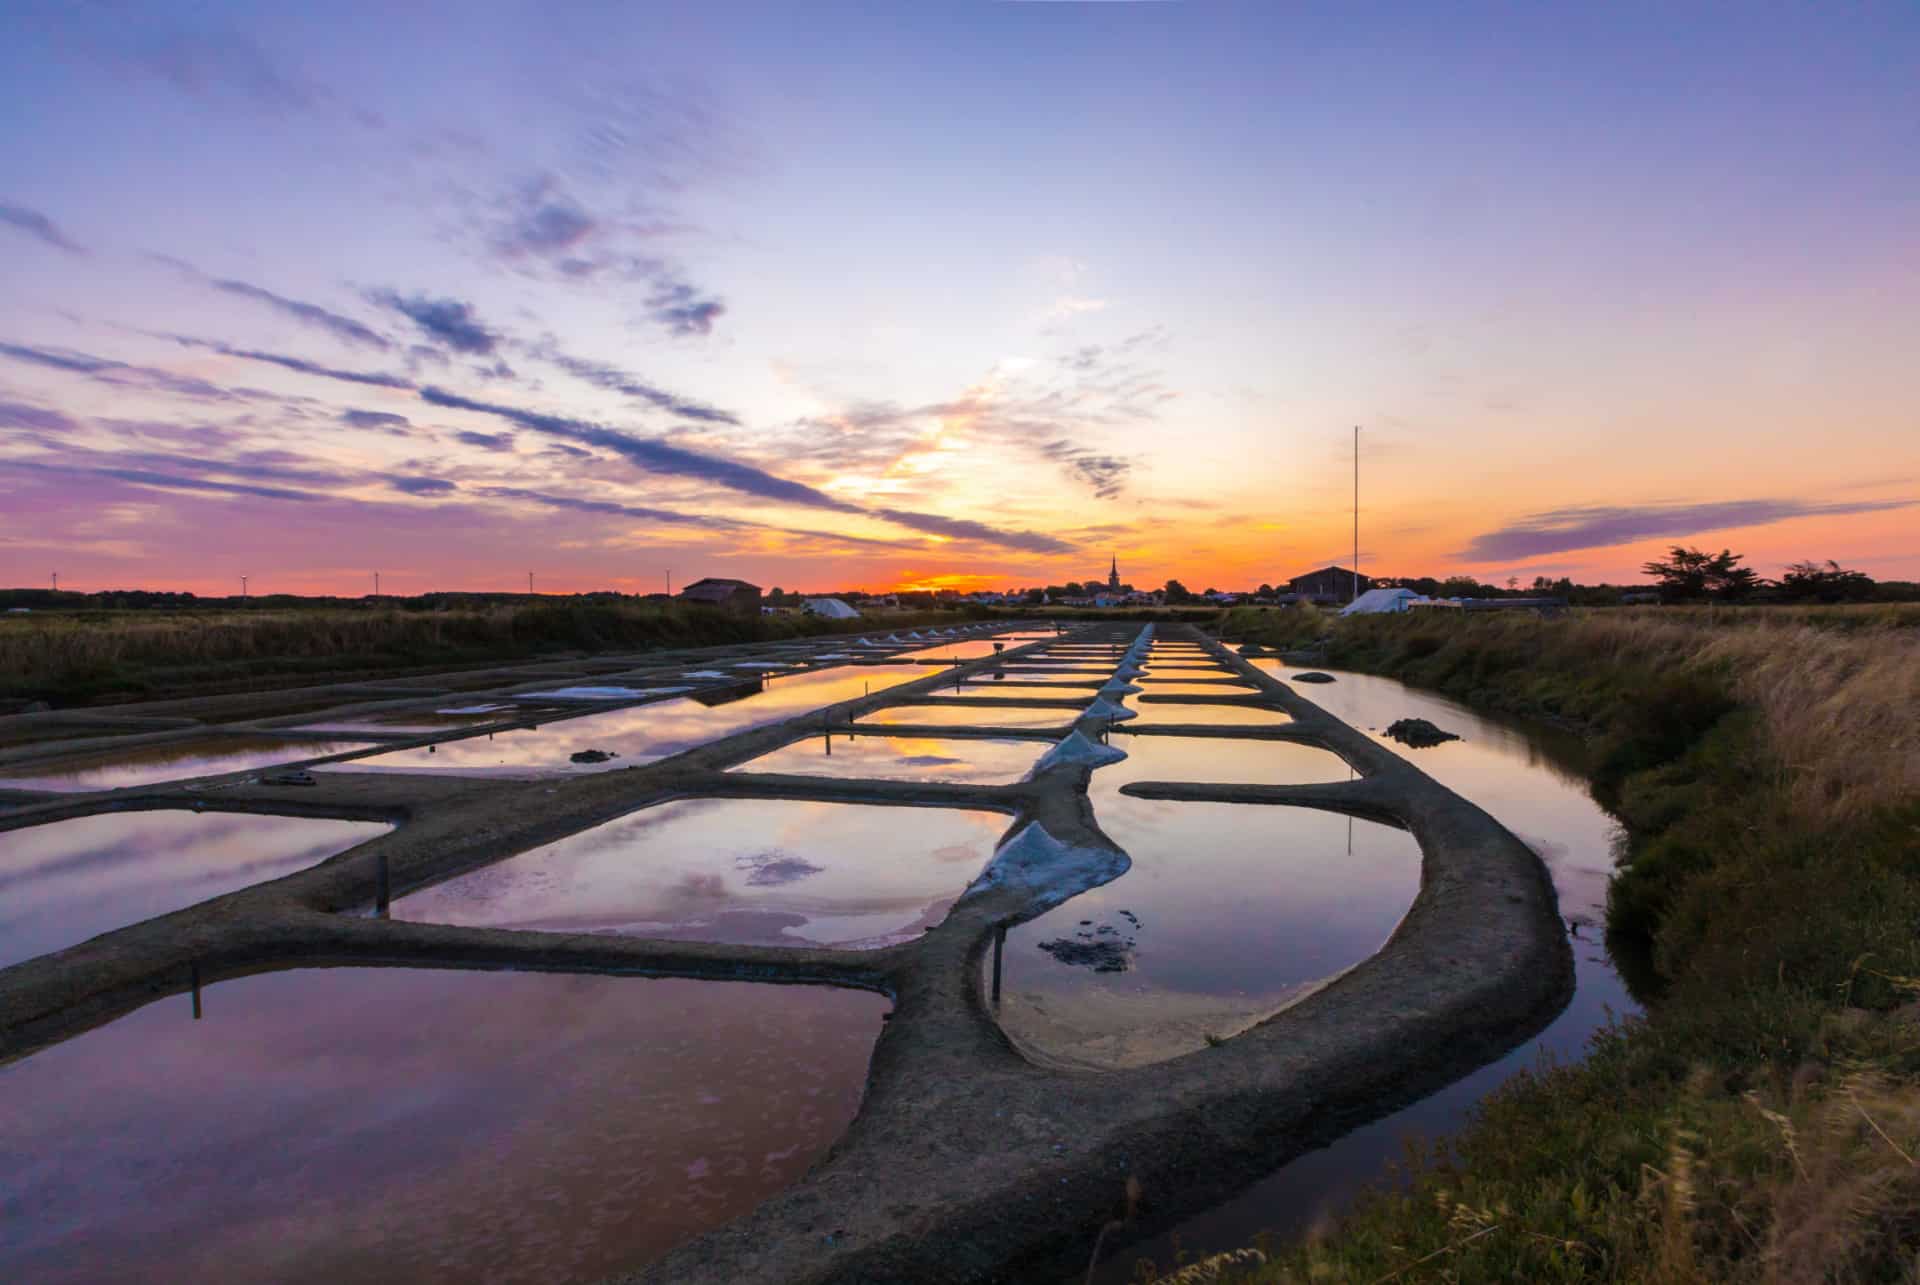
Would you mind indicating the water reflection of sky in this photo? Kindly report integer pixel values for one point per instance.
(421, 721)
(419, 1126)
(114, 769)
(640, 733)
(66, 881)
(1530, 779)
(1204, 713)
(1151, 686)
(1227, 759)
(1233, 901)
(973, 715)
(749, 871)
(969, 760)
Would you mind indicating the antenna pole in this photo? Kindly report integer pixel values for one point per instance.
(529, 584)
(1356, 512)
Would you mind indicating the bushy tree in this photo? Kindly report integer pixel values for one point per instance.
(1177, 593)
(1691, 573)
(1811, 582)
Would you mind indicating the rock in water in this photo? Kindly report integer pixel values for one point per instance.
(1313, 676)
(1419, 733)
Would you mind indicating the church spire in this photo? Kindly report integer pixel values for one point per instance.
(1113, 576)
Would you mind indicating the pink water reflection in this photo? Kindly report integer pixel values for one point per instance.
(415, 1126)
(114, 769)
(66, 881)
(752, 871)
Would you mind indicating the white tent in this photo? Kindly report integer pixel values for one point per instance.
(1378, 601)
(831, 609)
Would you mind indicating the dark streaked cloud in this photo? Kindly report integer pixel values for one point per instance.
(580, 505)
(964, 529)
(340, 327)
(546, 225)
(612, 378)
(378, 419)
(40, 419)
(650, 454)
(707, 521)
(486, 441)
(662, 457)
(165, 481)
(422, 485)
(38, 226)
(1560, 530)
(682, 309)
(1106, 474)
(449, 322)
(122, 374)
(375, 379)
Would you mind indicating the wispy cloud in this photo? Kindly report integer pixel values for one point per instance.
(166, 481)
(684, 310)
(122, 374)
(38, 226)
(384, 420)
(336, 324)
(650, 454)
(376, 379)
(449, 322)
(662, 457)
(423, 485)
(612, 378)
(40, 419)
(1559, 530)
(486, 441)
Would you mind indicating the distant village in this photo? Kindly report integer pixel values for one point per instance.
(1330, 586)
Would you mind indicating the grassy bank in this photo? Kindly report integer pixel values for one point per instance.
(1763, 1122)
(88, 658)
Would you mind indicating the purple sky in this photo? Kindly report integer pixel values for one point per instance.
(951, 294)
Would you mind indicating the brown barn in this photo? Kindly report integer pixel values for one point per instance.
(736, 596)
(1329, 584)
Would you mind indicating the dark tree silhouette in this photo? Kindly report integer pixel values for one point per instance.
(1692, 574)
(1811, 582)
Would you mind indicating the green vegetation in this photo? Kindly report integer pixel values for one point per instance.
(71, 658)
(1763, 1122)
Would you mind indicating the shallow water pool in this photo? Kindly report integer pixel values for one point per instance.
(972, 716)
(66, 881)
(640, 733)
(1207, 713)
(972, 760)
(412, 1126)
(745, 871)
(130, 765)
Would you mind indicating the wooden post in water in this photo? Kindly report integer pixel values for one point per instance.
(382, 887)
(194, 975)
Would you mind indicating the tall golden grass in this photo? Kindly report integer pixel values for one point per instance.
(1841, 706)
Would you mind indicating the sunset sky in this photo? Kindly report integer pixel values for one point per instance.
(973, 294)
